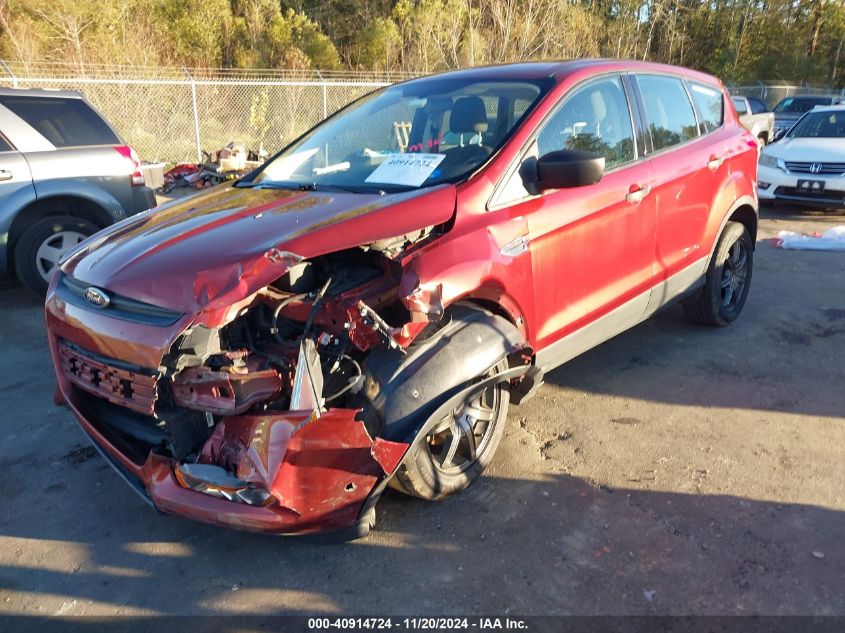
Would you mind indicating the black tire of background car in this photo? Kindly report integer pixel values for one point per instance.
(420, 475)
(33, 237)
(707, 307)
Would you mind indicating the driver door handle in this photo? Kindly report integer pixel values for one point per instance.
(5, 175)
(715, 162)
(637, 193)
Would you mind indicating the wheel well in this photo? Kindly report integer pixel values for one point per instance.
(490, 306)
(57, 205)
(500, 310)
(747, 217)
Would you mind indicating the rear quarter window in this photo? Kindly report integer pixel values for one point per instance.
(671, 119)
(710, 104)
(5, 146)
(65, 122)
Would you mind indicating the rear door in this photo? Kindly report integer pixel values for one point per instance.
(689, 162)
(15, 178)
(16, 189)
(591, 247)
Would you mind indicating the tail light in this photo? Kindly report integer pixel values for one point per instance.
(129, 153)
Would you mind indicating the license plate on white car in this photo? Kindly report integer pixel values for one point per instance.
(810, 186)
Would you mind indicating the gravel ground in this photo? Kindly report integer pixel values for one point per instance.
(673, 470)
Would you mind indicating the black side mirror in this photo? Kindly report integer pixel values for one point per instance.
(779, 135)
(568, 168)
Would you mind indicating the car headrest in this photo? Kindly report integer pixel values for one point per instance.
(468, 115)
(599, 108)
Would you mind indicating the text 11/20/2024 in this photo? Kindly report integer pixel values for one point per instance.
(418, 624)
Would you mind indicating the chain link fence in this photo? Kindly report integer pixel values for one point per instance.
(171, 115)
(771, 93)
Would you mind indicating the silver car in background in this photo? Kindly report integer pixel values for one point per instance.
(64, 175)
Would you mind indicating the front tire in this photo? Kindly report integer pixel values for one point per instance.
(42, 245)
(727, 281)
(455, 453)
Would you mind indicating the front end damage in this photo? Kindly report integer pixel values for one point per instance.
(263, 418)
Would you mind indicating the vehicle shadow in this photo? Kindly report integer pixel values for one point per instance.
(548, 545)
(8, 282)
(75, 539)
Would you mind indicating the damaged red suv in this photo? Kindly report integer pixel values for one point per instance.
(359, 312)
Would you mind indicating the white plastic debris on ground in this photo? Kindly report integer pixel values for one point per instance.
(831, 240)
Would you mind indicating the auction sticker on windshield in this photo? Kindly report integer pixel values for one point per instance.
(406, 169)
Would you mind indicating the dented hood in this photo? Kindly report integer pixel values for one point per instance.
(213, 249)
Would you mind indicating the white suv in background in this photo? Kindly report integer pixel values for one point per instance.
(807, 165)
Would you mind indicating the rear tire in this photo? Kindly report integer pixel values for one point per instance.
(727, 281)
(433, 468)
(39, 249)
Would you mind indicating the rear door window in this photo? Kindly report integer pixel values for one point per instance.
(5, 146)
(65, 122)
(671, 119)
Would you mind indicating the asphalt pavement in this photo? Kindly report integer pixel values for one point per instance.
(676, 469)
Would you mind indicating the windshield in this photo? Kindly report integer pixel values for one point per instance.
(800, 104)
(820, 125)
(411, 135)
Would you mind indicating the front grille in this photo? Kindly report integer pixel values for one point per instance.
(73, 291)
(823, 169)
(112, 380)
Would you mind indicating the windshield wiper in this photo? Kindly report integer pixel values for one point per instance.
(308, 186)
(275, 184)
(313, 186)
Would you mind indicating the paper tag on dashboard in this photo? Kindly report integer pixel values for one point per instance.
(406, 169)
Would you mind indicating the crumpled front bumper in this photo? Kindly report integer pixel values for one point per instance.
(327, 472)
(323, 473)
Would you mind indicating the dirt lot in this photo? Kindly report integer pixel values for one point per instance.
(674, 470)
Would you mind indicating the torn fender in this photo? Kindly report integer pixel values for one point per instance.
(402, 391)
(322, 469)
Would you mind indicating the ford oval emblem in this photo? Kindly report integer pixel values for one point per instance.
(97, 297)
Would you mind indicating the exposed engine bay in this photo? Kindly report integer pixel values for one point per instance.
(298, 347)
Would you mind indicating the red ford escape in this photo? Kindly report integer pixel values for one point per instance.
(360, 311)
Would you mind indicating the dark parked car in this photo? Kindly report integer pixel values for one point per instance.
(789, 109)
(64, 175)
(758, 106)
(361, 311)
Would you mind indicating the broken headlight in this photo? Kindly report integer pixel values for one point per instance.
(217, 482)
